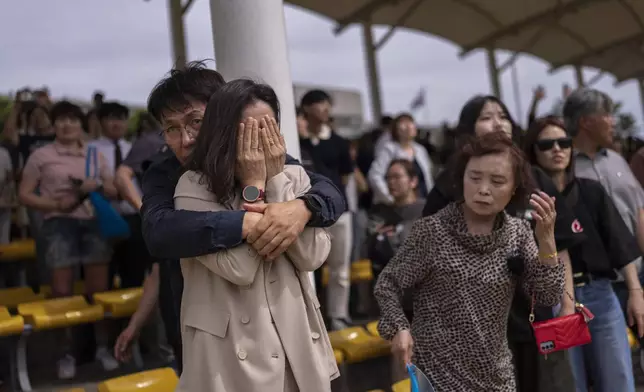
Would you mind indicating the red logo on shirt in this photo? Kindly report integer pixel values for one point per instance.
(576, 227)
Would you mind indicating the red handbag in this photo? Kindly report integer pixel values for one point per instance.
(561, 333)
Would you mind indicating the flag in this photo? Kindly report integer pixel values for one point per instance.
(419, 100)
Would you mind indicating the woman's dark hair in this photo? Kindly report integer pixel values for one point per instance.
(470, 115)
(395, 136)
(66, 109)
(215, 152)
(495, 143)
(532, 135)
(195, 82)
(409, 167)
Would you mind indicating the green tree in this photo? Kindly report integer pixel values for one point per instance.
(625, 124)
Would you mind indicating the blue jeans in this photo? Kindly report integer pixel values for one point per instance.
(608, 358)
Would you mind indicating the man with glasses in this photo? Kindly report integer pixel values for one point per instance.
(178, 102)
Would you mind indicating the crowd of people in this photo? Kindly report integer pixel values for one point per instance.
(469, 244)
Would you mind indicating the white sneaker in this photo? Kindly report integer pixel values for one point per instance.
(106, 359)
(66, 367)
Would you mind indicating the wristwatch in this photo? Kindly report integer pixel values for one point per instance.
(251, 194)
(314, 205)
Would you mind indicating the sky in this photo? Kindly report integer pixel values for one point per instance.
(122, 47)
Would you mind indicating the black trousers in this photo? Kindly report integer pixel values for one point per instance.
(536, 373)
(131, 258)
(170, 292)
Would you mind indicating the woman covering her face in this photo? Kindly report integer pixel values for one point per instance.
(248, 323)
(609, 247)
(455, 263)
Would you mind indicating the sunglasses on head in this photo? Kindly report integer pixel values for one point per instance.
(548, 144)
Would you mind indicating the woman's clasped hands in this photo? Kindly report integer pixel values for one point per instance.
(261, 151)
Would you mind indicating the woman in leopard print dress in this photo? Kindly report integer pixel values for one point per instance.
(456, 265)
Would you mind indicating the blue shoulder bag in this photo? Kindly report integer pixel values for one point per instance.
(419, 381)
(111, 223)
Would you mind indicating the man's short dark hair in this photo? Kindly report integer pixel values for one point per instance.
(113, 109)
(315, 96)
(66, 109)
(385, 121)
(195, 82)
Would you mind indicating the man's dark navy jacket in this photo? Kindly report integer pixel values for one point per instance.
(175, 234)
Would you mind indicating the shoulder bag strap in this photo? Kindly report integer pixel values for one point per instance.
(95, 159)
(88, 162)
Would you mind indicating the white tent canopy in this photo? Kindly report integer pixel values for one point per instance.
(560, 32)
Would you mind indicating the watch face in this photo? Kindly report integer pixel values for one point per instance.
(250, 193)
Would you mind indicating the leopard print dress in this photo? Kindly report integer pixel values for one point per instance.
(462, 289)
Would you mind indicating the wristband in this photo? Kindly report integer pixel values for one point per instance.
(548, 256)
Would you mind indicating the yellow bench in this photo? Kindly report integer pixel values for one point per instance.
(157, 380)
(79, 287)
(19, 295)
(18, 250)
(10, 325)
(357, 345)
(632, 340)
(402, 386)
(339, 356)
(60, 312)
(360, 272)
(372, 328)
(120, 303)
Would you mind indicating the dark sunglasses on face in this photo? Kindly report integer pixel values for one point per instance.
(548, 144)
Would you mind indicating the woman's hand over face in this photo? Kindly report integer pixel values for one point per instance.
(251, 165)
(545, 215)
(274, 146)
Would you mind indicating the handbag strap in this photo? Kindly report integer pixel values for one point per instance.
(91, 160)
(533, 302)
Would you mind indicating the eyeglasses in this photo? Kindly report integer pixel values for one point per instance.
(548, 144)
(175, 133)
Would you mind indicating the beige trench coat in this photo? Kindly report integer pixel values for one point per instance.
(248, 325)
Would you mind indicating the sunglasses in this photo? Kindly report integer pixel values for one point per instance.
(548, 144)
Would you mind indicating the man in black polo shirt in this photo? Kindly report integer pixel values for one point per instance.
(330, 156)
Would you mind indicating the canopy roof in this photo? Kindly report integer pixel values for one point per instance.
(593, 33)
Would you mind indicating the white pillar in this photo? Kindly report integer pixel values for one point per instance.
(250, 41)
